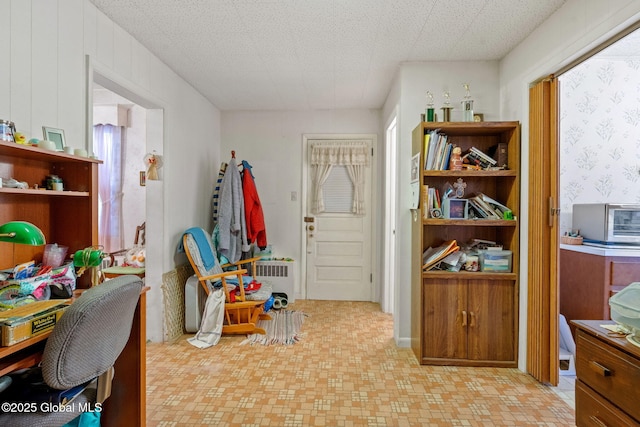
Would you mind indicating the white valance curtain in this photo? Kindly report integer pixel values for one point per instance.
(354, 155)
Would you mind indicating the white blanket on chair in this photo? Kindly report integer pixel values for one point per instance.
(212, 321)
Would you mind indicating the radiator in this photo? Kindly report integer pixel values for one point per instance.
(280, 274)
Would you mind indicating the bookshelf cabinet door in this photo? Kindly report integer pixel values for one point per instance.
(445, 319)
(492, 322)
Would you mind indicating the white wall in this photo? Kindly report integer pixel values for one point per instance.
(599, 140)
(43, 82)
(578, 26)
(415, 79)
(272, 143)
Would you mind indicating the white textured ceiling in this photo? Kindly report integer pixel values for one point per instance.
(318, 54)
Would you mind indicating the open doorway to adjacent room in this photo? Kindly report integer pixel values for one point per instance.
(119, 139)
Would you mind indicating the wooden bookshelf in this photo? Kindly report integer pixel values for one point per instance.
(468, 318)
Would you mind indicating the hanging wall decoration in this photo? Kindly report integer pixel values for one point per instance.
(153, 162)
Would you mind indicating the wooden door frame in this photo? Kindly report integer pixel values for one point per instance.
(543, 251)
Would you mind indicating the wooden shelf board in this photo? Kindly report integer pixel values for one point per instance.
(471, 173)
(471, 222)
(43, 192)
(36, 153)
(472, 128)
(468, 275)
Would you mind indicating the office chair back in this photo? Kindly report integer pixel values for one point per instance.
(91, 334)
(85, 344)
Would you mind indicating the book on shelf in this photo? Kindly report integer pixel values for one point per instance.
(483, 208)
(434, 137)
(497, 206)
(481, 154)
(425, 151)
(433, 255)
(476, 157)
(452, 262)
(438, 152)
(476, 209)
(487, 207)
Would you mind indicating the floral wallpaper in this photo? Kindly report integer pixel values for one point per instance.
(599, 134)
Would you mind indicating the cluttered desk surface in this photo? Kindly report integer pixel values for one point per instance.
(26, 353)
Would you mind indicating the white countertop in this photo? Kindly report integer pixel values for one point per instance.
(595, 250)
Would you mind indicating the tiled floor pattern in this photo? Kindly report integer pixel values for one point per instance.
(346, 371)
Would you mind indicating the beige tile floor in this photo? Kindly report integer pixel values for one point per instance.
(345, 371)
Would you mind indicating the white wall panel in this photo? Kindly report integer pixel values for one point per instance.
(71, 95)
(90, 20)
(21, 69)
(139, 64)
(122, 45)
(5, 67)
(104, 40)
(44, 65)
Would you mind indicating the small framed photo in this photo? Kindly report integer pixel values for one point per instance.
(455, 208)
(415, 168)
(54, 135)
(478, 117)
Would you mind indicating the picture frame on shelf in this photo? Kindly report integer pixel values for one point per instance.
(478, 117)
(455, 208)
(54, 135)
(415, 168)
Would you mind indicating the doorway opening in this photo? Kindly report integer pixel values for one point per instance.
(598, 163)
(120, 141)
(153, 200)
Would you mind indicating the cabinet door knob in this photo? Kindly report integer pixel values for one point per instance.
(464, 318)
(472, 322)
(600, 369)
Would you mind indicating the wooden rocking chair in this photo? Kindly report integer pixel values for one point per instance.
(240, 315)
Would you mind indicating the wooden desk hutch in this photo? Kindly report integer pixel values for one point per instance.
(69, 218)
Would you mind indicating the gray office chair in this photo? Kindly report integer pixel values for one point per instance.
(84, 345)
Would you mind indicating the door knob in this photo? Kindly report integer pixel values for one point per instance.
(311, 228)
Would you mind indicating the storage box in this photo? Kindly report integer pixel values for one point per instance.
(625, 307)
(496, 261)
(21, 323)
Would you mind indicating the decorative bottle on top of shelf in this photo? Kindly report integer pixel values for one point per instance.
(467, 105)
(430, 112)
(446, 108)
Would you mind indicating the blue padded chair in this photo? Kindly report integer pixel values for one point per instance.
(84, 346)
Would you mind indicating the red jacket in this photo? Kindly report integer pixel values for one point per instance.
(256, 229)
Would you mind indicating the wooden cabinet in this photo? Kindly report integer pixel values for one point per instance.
(468, 318)
(608, 372)
(589, 276)
(68, 217)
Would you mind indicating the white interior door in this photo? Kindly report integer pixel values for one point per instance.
(338, 242)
